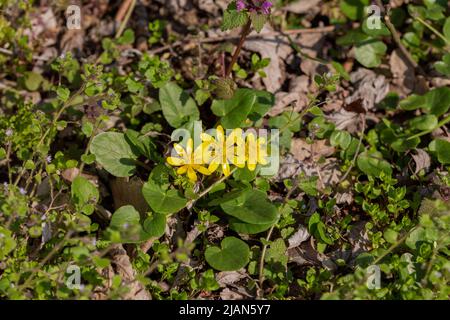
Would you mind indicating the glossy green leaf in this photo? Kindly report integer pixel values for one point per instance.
(114, 153)
(232, 255)
(177, 106)
(162, 200)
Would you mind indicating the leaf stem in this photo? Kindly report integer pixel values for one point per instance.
(440, 124)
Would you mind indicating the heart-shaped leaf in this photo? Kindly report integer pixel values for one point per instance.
(438, 100)
(442, 149)
(114, 153)
(126, 220)
(155, 225)
(251, 207)
(234, 111)
(163, 200)
(373, 164)
(369, 53)
(177, 106)
(233, 255)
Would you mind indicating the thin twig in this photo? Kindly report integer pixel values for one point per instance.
(397, 39)
(126, 19)
(357, 150)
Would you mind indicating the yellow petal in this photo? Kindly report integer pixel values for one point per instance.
(182, 170)
(251, 166)
(226, 169)
(191, 174)
(262, 159)
(174, 161)
(179, 149)
(220, 134)
(203, 170)
(199, 154)
(206, 137)
(190, 146)
(213, 165)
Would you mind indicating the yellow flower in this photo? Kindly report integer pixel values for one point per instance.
(224, 150)
(256, 151)
(189, 161)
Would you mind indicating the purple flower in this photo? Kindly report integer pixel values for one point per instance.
(22, 191)
(265, 7)
(258, 6)
(48, 159)
(9, 132)
(240, 5)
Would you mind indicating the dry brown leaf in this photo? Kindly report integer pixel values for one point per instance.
(300, 236)
(227, 294)
(122, 266)
(275, 48)
(226, 278)
(403, 74)
(302, 6)
(422, 160)
(302, 150)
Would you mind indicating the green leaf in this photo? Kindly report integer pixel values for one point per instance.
(416, 236)
(258, 21)
(442, 149)
(413, 102)
(375, 32)
(155, 225)
(446, 29)
(233, 18)
(444, 65)
(354, 9)
(63, 93)
(340, 139)
(438, 100)
(423, 123)
(32, 81)
(233, 255)
(177, 106)
(162, 200)
(84, 194)
(372, 164)
(251, 206)
(126, 220)
(127, 37)
(390, 235)
(112, 151)
(369, 53)
(234, 111)
(247, 228)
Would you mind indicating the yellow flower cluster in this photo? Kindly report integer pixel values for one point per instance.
(220, 151)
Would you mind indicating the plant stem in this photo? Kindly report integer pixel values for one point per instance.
(437, 33)
(397, 39)
(124, 22)
(440, 124)
(245, 32)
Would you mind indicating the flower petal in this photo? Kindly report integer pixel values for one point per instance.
(191, 174)
(226, 169)
(175, 161)
(182, 170)
(203, 170)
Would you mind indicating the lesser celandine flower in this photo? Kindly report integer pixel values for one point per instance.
(189, 161)
(256, 150)
(224, 150)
